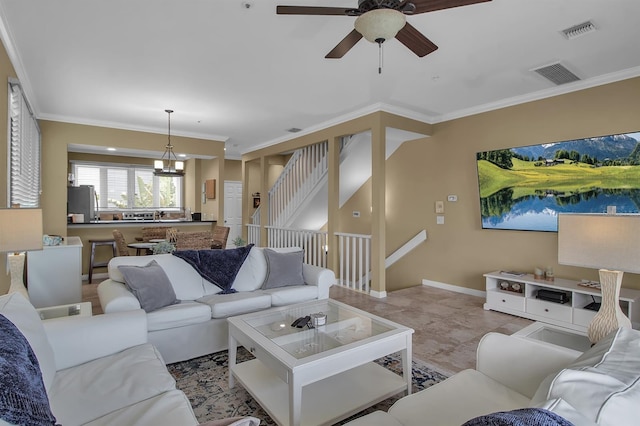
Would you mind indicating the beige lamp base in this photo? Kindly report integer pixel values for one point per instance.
(16, 268)
(610, 317)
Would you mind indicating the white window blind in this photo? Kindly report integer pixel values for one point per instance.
(24, 151)
(123, 186)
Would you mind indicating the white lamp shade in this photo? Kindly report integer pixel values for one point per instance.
(179, 165)
(380, 24)
(20, 230)
(600, 241)
(158, 164)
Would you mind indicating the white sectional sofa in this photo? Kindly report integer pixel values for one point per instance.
(96, 370)
(197, 325)
(600, 387)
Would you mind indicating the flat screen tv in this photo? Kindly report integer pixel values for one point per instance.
(525, 188)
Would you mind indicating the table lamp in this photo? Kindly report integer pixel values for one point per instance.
(20, 230)
(607, 241)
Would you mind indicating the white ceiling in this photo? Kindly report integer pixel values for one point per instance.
(245, 75)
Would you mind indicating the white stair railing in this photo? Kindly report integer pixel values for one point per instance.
(314, 243)
(301, 174)
(354, 252)
(253, 234)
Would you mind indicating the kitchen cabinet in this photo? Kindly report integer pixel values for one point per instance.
(54, 274)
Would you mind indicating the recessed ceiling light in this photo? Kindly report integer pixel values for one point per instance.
(111, 149)
(182, 155)
(294, 130)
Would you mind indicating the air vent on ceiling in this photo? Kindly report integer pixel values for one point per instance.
(557, 73)
(294, 130)
(579, 30)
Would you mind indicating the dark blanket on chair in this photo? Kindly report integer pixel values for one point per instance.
(23, 398)
(521, 417)
(219, 267)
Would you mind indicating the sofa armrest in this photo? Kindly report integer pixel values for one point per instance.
(520, 363)
(115, 297)
(322, 277)
(76, 340)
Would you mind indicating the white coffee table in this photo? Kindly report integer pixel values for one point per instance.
(321, 375)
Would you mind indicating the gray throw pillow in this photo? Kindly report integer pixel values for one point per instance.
(150, 285)
(283, 269)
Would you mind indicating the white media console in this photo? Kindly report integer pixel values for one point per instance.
(517, 295)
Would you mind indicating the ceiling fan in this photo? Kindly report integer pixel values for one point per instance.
(380, 20)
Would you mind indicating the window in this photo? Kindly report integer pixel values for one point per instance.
(24, 151)
(120, 186)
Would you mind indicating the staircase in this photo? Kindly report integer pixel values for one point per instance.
(298, 199)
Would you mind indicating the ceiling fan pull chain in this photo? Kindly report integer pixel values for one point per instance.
(379, 57)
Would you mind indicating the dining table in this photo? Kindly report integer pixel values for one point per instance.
(145, 247)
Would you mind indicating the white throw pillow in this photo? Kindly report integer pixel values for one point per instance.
(603, 384)
(24, 316)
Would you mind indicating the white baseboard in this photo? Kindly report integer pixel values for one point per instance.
(85, 277)
(378, 294)
(456, 288)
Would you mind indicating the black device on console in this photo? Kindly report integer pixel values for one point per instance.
(553, 296)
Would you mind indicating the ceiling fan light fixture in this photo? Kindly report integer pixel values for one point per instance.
(168, 164)
(379, 25)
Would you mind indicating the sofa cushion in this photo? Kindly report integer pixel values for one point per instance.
(24, 316)
(252, 272)
(227, 305)
(563, 409)
(283, 296)
(179, 315)
(283, 269)
(23, 398)
(219, 267)
(167, 409)
(603, 383)
(461, 397)
(186, 282)
(150, 285)
(85, 392)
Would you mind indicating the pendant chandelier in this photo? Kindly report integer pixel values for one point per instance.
(168, 164)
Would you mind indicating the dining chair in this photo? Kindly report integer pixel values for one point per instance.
(220, 235)
(194, 240)
(121, 244)
(154, 233)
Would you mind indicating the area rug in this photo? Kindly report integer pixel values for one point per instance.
(205, 382)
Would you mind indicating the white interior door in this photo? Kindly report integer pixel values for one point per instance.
(233, 209)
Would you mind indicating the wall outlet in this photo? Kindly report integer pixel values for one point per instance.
(452, 198)
(439, 220)
(439, 206)
(356, 214)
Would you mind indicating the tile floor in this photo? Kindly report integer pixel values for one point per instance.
(448, 325)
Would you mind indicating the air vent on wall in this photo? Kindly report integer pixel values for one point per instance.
(579, 30)
(294, 130)
(557, 74)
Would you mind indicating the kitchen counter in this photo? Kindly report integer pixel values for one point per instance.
(134, 223)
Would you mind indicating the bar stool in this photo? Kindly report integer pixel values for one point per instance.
(94, 244)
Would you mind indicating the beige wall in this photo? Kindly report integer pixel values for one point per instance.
(424, 171)
(6, 71)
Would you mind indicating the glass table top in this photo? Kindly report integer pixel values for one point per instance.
(343, 325)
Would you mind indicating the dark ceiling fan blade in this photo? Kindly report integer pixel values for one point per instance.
(312, 10)
(345, 45)
(415, 40)
(423, 6)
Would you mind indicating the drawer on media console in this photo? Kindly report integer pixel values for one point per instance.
(583, 316)
(552, 310)
(505, 300)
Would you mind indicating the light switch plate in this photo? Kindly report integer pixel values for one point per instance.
(439, 206)
(439, 220)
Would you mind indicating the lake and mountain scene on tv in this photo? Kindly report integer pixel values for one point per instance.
(525, 188)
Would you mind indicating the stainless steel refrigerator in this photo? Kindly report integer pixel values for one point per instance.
(81, 200)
